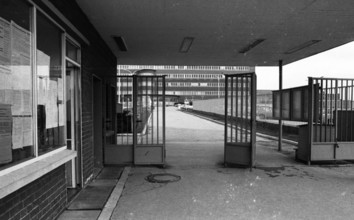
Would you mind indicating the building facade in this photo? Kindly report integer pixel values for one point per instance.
(53, 83)
(189, 82)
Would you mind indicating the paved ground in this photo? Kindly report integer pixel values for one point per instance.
(278, 188)
(88, 204)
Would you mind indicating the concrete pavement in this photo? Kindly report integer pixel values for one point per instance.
(278, 188)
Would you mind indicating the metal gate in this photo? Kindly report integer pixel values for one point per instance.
(329, 135)
(149, 119)
(140, 121)
(240, 119)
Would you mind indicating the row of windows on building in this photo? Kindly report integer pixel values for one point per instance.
(199, 93)
(185, 76)
(172, 67)
(194, 76)
(193, 84)
(125, 85)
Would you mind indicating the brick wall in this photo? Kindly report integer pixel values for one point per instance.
(45, 198)
(97, 59)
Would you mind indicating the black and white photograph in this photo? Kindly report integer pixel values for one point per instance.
(176, 110)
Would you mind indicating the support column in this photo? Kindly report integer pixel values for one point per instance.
(280, 105)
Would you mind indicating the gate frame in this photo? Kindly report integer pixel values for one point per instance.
(126, 153)
(311, 147)
(252, 123)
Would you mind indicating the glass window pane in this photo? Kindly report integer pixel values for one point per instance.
(50, 108)
(297, 105)
(16, 114)
(286, 105)
(72, 52)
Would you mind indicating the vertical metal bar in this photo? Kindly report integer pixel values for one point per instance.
(225, 123)
(326, 111)
(253, 117)
(157, 117)
(336, 111)
(346, 111)
(145, 83)
(164, 115)
(152, 107)
(331, 114)
(121, 83)
(247, 124)
(231, 110)
(321, 110)
(135, 99)
(236, 111)
(242, 106)
(351, 111)
(120, 141)
(310, 118)
(125, 99)
(316, 109)
(280, 106)
(341, 108)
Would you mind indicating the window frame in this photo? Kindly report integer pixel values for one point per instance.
(34, 9)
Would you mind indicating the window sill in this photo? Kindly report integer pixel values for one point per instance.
(14, 180)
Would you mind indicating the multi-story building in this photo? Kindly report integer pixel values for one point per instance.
(188, 82)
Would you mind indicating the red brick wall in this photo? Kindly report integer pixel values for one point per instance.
(45, 198)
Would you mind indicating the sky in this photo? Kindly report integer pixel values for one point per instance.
(337, 62)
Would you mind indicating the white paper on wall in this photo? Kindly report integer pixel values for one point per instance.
(51, 107)
(5, 42)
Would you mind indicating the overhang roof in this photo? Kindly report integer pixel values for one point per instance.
(153, 30)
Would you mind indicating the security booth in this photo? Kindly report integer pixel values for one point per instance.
(240, 120)
(140, 135)
(326, 104)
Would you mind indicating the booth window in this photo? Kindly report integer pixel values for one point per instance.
(16, 106)
(50, 86)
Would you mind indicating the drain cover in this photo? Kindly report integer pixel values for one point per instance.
(162, 178)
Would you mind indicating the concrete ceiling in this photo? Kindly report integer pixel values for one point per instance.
(153, 30)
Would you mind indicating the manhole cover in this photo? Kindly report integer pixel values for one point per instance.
(163, 178)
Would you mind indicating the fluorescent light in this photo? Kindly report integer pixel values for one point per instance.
(186, 44)
(302, 46)
(251, 45)
(120, 43)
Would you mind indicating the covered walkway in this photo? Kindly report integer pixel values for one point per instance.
(278, 188)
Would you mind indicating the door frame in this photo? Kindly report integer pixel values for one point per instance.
(97, 109)
(76, 113)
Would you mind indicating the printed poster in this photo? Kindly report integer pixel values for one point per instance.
(5, 62)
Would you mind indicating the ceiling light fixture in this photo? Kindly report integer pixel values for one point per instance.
(120, 43)
(251, 45)
(302, 46)
(186, 44)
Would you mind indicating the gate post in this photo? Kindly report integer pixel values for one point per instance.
(226, 110)
(135, 112)
(310, 118)
(281, 105)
